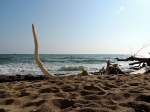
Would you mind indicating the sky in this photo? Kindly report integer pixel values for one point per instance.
(75, 26)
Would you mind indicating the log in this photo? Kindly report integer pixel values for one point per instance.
(29, 77)
(133, 58)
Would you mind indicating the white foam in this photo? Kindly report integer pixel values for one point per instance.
(26, 68)
(59, 68)
(19, 68)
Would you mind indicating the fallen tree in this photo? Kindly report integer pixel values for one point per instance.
(140, 64)
(133, 58)
(140, 61)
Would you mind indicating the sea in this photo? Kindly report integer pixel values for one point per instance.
(58, 64)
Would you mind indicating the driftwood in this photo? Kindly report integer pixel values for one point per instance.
(141, 61)
(143, 64)
(133, 58)
(113, 68)
(36, 53)
(10, 78)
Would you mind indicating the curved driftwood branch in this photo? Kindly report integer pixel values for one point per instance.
(36, 52)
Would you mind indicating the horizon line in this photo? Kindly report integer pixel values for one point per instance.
(72, 53)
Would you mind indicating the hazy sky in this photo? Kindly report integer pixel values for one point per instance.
(75, 26)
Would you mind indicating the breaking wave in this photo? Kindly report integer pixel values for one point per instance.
(71, 68)
(24, 63)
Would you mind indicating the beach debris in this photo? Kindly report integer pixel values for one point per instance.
(143, 61)
(141, 65)
(28, 77)
(113, 68)
(84, 72)
(36, 52)
(100, 72)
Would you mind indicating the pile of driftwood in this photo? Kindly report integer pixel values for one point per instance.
(139, 66)
(142, 62)
(111, 68)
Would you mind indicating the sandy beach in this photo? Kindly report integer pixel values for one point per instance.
(74, 56)
(103, 93)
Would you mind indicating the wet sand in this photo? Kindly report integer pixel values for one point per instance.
(109, 93)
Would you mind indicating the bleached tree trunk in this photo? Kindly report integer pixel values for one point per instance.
(36, 52)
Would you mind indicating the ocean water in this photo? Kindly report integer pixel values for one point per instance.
(56, 63)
